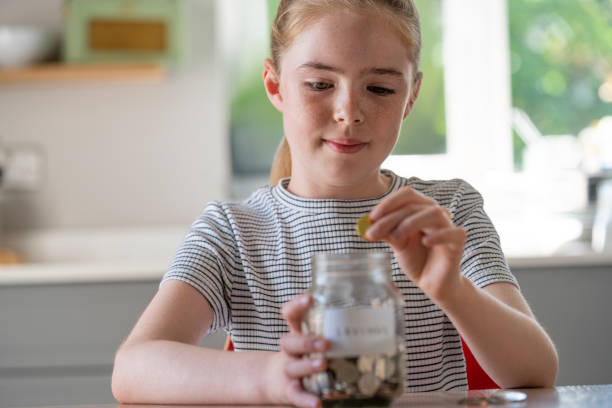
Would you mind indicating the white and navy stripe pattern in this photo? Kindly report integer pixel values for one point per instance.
(249, 258)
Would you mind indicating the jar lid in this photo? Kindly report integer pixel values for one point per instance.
(351, 262)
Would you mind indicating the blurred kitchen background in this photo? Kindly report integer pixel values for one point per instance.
(121, 119)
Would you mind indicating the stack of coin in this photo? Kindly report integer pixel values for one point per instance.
(376, 377)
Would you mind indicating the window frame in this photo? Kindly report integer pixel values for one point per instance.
(477, 78)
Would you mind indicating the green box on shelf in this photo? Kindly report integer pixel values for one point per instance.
(125, 31)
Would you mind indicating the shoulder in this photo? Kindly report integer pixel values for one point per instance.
(257, 206)
(222, 224)
(457, 195)
(446, 192)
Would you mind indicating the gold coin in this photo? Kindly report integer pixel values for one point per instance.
(368, 384)
(345, 371)
(365, 364)
(384, 368)
(363, 223)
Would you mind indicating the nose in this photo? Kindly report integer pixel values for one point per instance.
(347, 110)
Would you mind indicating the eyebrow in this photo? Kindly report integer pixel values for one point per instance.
(377, 71)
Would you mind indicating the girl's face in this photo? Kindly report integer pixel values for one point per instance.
(346, 83)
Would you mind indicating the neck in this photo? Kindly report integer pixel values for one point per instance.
(373, 186)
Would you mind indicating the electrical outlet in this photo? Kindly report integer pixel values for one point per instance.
(22, 169)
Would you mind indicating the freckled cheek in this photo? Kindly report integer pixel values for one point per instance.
(302, 131)
(308, 114)
(388, 113)
(387, 121)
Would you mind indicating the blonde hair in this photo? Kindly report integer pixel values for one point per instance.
(281, 165)
(293, 16)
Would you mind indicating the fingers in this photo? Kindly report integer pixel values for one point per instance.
(299, 368)
(397, 200)
(404, 214)
(301, 398)
(407, 221)
(454, 237)
(383, 226)
(297, 344)
(293, 311)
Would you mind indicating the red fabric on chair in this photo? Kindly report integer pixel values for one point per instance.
(229, 346)
(476, 376)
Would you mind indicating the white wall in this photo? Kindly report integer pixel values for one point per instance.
(123, 154)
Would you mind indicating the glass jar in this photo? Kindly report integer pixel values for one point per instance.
(357, 308)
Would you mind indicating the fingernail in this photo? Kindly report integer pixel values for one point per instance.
(305, 299)
(319, 345)
(369, 234)
(317, 363)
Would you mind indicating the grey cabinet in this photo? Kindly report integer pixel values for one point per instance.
(574, 304)
(57, 342)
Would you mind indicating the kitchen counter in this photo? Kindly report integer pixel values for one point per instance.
(585, 257)
(144, 254)
(103, 255)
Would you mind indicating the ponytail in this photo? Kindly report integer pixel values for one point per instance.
(281, 165)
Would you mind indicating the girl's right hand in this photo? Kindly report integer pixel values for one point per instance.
(288, 366)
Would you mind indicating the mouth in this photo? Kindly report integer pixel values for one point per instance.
(345, 146)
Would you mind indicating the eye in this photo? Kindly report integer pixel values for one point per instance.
(318, 86)
(379, 90)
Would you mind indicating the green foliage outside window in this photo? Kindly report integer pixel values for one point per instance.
(561, 55)
(424, 130)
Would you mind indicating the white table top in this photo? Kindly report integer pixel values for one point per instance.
(582, 396)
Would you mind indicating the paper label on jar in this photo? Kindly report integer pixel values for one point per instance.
(359, 331)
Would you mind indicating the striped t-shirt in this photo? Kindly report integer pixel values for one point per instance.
(249, 258)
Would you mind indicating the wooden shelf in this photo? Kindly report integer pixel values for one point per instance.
(139, 72)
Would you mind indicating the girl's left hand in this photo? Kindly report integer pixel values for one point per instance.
(426, 243)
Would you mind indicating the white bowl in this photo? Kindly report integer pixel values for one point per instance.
(26, 45)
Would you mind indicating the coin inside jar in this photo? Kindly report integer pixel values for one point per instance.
(365, 364)
(368, 384)
(384, 368)
(367, 378)
(344, 370)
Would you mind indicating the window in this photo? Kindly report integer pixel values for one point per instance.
(255, 125)
(477, 95)
(480, 57)
(561, 55)
(424, 131)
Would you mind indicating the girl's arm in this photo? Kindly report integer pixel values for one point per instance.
(503, 334)
(495, 322)
(161, 363)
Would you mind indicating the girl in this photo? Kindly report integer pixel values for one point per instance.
(344, 74)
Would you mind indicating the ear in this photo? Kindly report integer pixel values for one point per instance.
(414, 94)
(272, 84)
